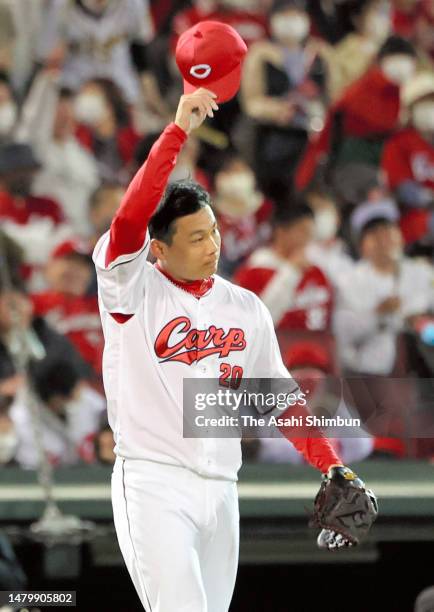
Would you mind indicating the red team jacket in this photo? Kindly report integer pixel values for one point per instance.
(241, 236)
(371, 91)
(309, 307)
(408, 156)
(21, 211)
(76, 317)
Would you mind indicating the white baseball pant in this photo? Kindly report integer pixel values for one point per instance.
(179, 535)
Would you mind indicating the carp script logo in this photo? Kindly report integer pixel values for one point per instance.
(177, 341)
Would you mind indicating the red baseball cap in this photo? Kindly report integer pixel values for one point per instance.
(210, 55)
(307, 354)
(69, 247)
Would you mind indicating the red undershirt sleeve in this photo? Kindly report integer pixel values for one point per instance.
(310, 441)
(129, 226)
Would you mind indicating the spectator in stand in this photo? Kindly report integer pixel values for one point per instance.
(36, 223)
(353, 133)
(70, 409)
(67, 305)
(349, 59)
(69, 174)
(243, 214)
(297, 293)
(103, 205)
(70, 412)
(8, 109)
(327, 251)
(101, 38)
(382, 294)
(106, 128)
(408, 160)
(282, 91)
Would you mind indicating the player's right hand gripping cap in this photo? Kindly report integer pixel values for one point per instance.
(210, 55)
(344, 509)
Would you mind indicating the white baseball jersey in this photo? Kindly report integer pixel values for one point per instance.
(172, 336)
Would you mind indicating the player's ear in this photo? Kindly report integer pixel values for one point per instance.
(158, 249)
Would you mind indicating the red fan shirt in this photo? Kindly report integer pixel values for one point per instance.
(296, 299)
(77, 317)
(241, 236)
(407, 156)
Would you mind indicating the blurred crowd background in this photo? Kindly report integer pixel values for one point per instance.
(322, 178)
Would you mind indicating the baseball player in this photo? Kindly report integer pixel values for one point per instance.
(175, 499)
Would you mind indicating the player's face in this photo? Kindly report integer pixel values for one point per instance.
(195, 248)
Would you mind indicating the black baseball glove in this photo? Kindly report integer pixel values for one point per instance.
(344, 509)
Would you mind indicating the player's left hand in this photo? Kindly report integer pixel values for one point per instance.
(344, 509)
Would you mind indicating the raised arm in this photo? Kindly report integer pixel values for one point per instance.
(128, 228)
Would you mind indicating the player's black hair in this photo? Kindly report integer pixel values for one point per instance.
(180, 199)
(284, 217)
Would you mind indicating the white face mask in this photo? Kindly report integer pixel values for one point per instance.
(89, 108)
(290, 27)
(8, 446)
(326, 224)
(8, 116)
(398, 68)
(236, 185)
(422, 116)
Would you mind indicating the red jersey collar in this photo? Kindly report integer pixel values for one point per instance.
(198, 288)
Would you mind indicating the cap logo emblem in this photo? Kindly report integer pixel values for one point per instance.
(200, 71)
